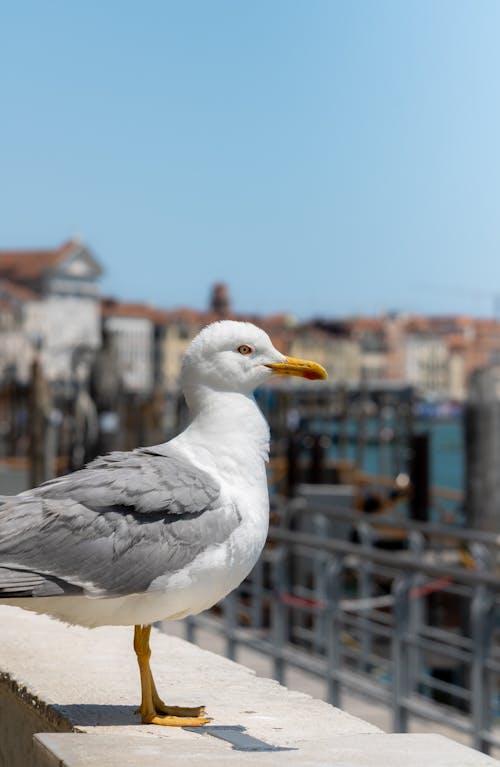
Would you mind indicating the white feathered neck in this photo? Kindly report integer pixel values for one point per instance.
(228, 432)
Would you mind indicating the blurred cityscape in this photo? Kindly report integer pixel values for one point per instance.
(51, 306)
(82, 374)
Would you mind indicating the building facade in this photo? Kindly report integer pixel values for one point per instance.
(58, 305)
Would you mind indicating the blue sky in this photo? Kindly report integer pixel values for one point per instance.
(321, 157)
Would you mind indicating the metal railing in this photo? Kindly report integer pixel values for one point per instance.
(404, 613)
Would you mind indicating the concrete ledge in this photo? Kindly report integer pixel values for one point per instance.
(342, 751)
(80, 688)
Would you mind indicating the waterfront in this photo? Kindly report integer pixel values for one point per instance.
(385, 452)
(446, 453)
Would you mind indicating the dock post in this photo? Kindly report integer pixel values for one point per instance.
(482, 449)
(420, 476)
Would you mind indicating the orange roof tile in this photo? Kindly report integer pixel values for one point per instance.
(366, 323)
(20, 265)
(127, 309)
(456, 342)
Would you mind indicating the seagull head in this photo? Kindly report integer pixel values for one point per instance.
(238, 357)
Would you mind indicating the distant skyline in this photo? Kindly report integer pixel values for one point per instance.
(322, 158)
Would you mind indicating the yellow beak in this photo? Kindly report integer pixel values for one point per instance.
(302, 368)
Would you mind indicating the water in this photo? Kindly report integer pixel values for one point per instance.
(446, 450)
(447, 453)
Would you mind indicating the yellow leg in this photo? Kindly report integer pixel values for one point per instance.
(151, 703)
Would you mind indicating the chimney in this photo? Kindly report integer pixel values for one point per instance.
(220, 303)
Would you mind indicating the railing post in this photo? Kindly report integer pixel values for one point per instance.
(257, 588)
(365, 591)
(482, 620)
(190, 626)
(333, 641)
(321, 527)
(416, 614)
(400, 656)
(279, 612)
(231, 621)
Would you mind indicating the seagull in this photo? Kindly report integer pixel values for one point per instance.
(160, 532)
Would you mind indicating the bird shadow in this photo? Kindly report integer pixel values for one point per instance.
(100, 715)
(238, 737)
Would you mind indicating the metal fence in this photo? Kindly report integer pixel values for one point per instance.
(404, 613)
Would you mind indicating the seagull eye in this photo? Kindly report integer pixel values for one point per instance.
(245, 349)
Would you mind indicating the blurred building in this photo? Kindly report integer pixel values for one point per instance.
(132, 328)
(175, 333)
(441, 353)
(437, 355)
(428, 365)
(370, 335)
(331, 345)
(52, 299)
(16, 350)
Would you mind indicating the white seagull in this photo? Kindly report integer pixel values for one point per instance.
(160, 532)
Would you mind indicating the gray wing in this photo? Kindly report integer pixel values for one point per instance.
(112, 528)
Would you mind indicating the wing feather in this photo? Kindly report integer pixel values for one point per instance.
(111, 528)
